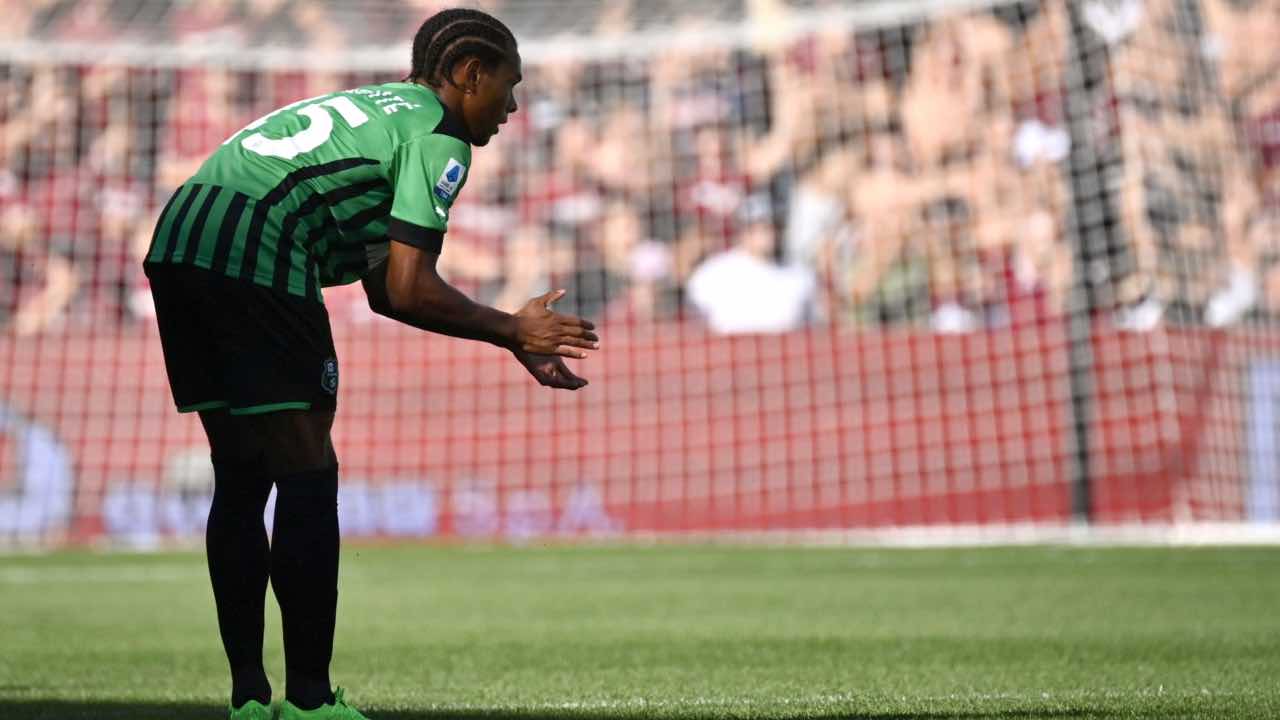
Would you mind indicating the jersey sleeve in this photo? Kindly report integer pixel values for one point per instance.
(427, 175)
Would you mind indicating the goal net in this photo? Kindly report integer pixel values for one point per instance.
(862, 271)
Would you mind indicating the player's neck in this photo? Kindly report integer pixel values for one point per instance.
(450, 96)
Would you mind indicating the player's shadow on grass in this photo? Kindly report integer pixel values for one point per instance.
(102, 710)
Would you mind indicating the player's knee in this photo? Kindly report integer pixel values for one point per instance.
(301, 440)
(286, 442)
(239, 484)
(308, 493)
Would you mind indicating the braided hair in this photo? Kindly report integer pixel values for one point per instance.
(450, 35)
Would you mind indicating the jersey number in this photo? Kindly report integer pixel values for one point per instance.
(309, 138)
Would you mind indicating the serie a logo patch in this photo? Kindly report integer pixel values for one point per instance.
(329, 376)
(449, 180)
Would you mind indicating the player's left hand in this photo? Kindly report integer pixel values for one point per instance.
(550, 370)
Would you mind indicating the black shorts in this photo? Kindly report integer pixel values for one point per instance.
(239, 346)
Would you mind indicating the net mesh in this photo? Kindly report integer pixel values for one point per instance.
(857, 267)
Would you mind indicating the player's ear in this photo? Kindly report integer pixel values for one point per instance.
(471, 70)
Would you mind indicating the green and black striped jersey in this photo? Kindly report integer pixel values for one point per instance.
(307, 196)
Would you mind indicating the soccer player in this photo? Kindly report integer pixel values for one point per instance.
(355, 185)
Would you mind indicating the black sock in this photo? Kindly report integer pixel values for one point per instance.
(304, 575)
(239, 562)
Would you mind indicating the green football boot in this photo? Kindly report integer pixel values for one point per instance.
(339, 710)
(252, 710)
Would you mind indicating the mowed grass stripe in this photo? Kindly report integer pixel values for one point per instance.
(681, 632)
(92, 576)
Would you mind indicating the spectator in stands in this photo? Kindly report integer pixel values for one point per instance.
(1144, 92)
(942, 84)
(1264, 236)
(694, 87)
(816, 91)
(24, 18)
(651, 294)
(789, 135)
(709, 195)
(549, 97)
(622, 158)
(1233, 270)
(602, 265)
(1032, 74)
(37, 282)
(1016, 175)
(1034, 257)
(208, 22)
(137, 300)
(52, 219)
(817, 199)
(819, 233)
(533, 259)
(822, 93)
(855, 77)
(958, 287)
(270, 23)
(883, 199)
(840, 129)
(88, 21)
(634, 275)
(203, 111)
(322, 32)
(957, 72)
(39, 131)
(1235, 33)
(744, 289)
(562, 192)
(1186, 190)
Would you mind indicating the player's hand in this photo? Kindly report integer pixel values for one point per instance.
(550, 370)
(541, 331)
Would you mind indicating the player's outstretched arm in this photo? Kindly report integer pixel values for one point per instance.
(407, 288)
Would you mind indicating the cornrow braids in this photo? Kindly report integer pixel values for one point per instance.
(450, 35)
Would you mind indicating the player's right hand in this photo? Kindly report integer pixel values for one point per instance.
(543, 331)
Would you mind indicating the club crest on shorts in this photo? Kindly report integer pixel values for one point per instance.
(449, 180)
(329, 376)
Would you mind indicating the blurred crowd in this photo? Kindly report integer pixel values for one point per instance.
(956, 173)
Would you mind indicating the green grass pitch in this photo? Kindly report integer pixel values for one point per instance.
(678, 632)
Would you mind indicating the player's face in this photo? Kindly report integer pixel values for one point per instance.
(494, 100)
